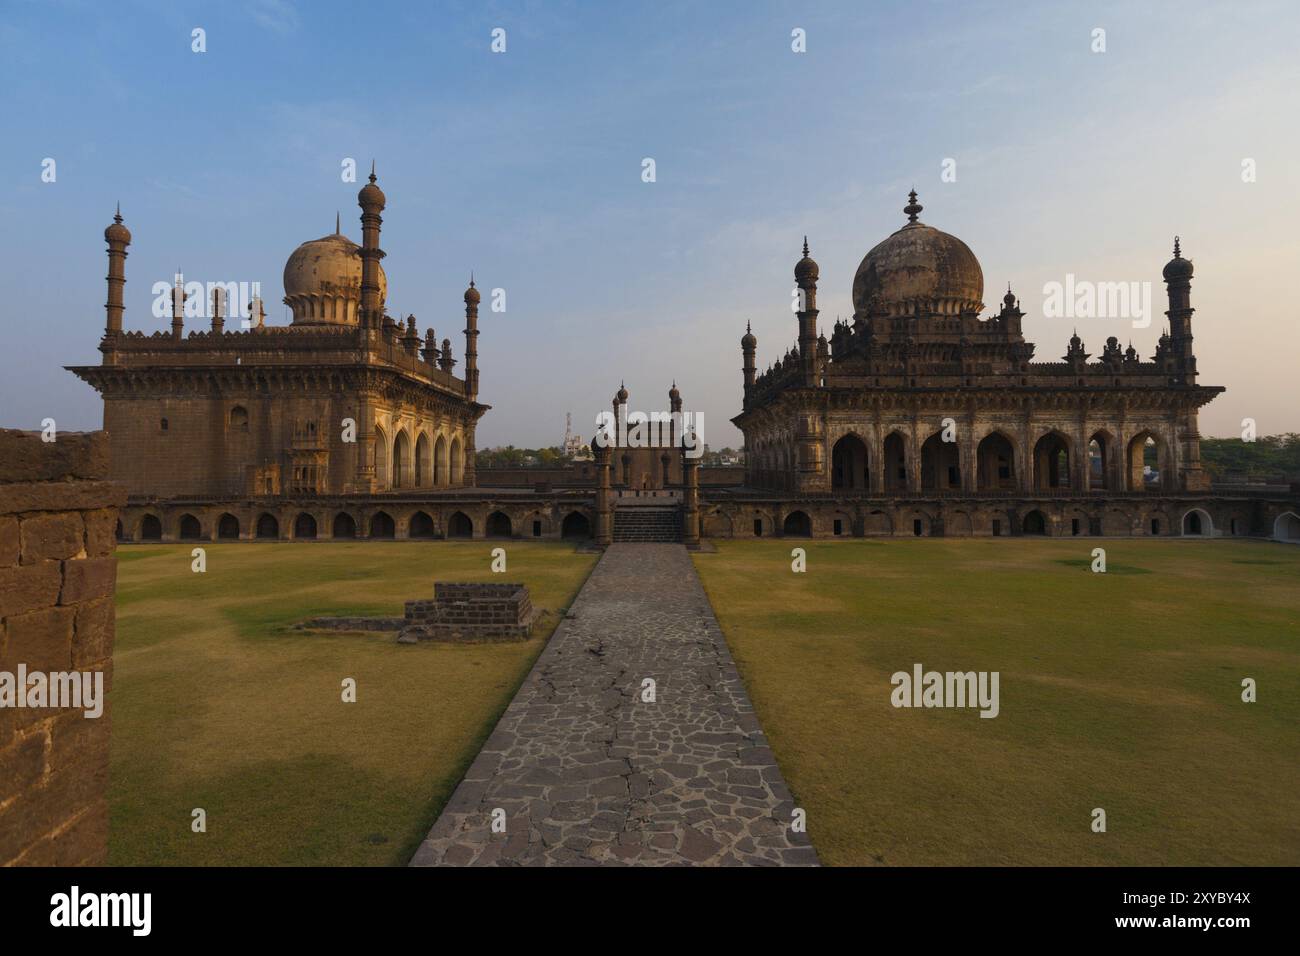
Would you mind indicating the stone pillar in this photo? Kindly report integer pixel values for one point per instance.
(57, 574)
(691, 502)
(604, 514)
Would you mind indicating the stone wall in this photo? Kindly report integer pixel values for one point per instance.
(468, 612)
(57, 574)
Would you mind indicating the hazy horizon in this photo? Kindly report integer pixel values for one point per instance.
(526, 167)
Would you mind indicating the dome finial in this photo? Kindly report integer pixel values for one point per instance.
(338, 231)
(471, 278)
(372, 170)
(1178, 253)
(805, 247)
(913, 207)
(117, 216)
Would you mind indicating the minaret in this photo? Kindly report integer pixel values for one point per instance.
(118, 238)
(676, 427)
(805, 277)
(218, 310)
(471, 340)
(748, 346)
(372, 200)
(178, 306)
(1178, 279)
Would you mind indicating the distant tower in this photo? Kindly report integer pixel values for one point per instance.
(748, 346)
(118, 238)
(1178, 279)
(805, 277)
(372, 200)
(471, 340)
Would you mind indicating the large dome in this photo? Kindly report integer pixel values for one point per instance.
(322, 281)
(918, 268)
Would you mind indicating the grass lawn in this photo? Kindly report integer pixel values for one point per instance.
(1119, 690)
(215, 704)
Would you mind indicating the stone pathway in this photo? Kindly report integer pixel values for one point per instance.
(589, 773)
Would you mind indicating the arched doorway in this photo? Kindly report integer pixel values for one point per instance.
(381, 458)
(345, 526)
(228, 527)
(1052, 462)
(304, 526)
(421, 526)
(1287, 527)
(457, 463)
(459, 526)
(895, 463)
(268, 526)
(797, 524)
(402, 460)
(1034, 523)
(575, 525)
(150, 528)
(995, 463)
(381, 525)
(498, 525)
(1099, 461)
(1146, 462)
(849, 471)
(190, 530)
(1197, 523)
(940, 464)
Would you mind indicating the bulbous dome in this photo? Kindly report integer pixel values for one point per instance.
(918, 267)
(116, 232)
(1177, 267)
(322, 281)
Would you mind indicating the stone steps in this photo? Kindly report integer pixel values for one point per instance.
(648, 524)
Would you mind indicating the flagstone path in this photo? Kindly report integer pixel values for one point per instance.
(588, 772)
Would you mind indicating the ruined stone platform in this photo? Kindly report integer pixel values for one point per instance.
(587, 772)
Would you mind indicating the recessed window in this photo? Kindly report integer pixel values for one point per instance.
(997, 528)
(537, 529)
(839, 526)
(162, 424)
(239, 418)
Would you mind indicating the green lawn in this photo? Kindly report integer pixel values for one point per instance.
(1120, 691)
(216, 704)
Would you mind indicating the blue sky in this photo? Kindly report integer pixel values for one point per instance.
(525, 167)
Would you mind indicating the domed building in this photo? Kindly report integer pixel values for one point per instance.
(921, 415)
(322, 281)
(298, 430)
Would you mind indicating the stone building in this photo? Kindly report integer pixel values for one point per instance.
(343, 400)
(922, 417)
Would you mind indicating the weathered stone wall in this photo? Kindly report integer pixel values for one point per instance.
(471, 612)
(57, 574)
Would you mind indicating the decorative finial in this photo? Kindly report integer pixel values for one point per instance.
(747, 328)
(913, 207)
(1178, 253)
(372, 170)
(337, 225)
(117, 217)
(471, 278)
(805, 247)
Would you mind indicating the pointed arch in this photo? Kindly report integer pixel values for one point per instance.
(1052, 460)
(995, 462)
(382, 452)
(1148, 462)
(895, 461)
(441, 476)
(850, 470)
(940, 464)
(423, 462)
(457, 462)
(1101, 460)
(402, 470)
